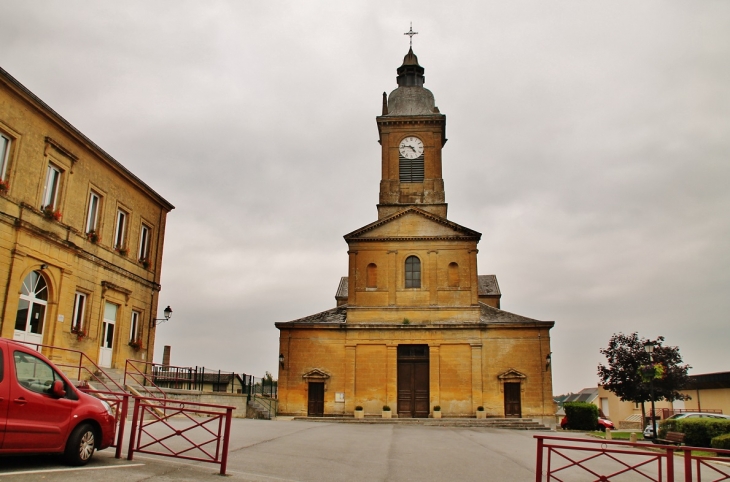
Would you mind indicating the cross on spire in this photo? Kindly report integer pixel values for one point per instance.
(411, 33)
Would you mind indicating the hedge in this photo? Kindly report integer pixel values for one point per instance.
(581, 415)
(721, 442)
(698, 432)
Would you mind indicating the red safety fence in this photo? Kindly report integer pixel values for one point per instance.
(200, 431)
(77, 365)
(561, 458)
(143, 381)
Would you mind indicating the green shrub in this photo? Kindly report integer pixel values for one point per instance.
(358, 408)
(480, 408)
(386, 408)
(721, 442)
(581, 415)
(437, 408)
(698, 432)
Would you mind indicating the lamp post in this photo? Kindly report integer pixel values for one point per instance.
(167, 313)
(649, 348)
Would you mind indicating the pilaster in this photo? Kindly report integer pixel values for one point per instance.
(350, 378)
(477, 391)
(434, 362)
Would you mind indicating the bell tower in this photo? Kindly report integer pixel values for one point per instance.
(412, 133)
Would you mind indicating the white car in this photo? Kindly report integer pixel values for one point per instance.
(649, 432)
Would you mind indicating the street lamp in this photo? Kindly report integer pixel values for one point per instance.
(168, 315)
(649, 348)
(281, 360)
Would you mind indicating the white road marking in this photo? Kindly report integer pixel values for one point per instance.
(25, 472)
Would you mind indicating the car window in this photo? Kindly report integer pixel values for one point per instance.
(33, 373)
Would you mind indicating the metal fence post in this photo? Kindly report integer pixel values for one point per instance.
(226, 440)
(122, 422)
(133, 435)
(670, 464)
(688, 466)
(538, 465)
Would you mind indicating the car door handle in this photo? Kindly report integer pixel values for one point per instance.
(20, 401)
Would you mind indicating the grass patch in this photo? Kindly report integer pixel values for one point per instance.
(617, 435)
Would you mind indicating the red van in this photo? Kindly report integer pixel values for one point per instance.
(42, 412)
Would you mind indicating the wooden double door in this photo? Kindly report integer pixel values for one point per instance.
(512, 400)
(413, 381)
(315, 406)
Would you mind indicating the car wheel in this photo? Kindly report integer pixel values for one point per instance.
(81, 444)
(601, 428)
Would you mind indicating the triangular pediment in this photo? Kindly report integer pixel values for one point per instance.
(512, 374)
(413, 223)
(316, 374)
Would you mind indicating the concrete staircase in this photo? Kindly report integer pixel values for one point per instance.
(504, 423)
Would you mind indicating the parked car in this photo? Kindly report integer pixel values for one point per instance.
(42, 412)
(603, 424)
(649, 430)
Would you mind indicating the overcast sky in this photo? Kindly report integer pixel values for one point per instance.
(588, 142)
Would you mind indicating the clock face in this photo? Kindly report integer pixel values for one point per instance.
(411, 147)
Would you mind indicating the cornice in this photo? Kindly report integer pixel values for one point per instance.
(411, 209)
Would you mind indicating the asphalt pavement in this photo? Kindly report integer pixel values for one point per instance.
(269, 451)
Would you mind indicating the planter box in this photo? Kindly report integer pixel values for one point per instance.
(437, 414)
(387, 414)
(359, 413)
(482, 414)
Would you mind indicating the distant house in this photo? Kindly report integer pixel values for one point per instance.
(709, 392)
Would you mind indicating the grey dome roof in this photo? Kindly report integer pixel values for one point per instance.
(411, 101)
(410, 98)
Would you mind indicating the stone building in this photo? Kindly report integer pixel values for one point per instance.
(415, 325)
(81, 238)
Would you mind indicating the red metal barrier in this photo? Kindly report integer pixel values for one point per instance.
(603, 460)
(702, 464)
(120, 405)
(171, 441)
(66, 361)
(144, 381)
(648, 461)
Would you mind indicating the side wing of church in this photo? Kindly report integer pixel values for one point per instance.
(415, 325)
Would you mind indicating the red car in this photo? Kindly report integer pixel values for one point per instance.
(603, 424)
(42, 412)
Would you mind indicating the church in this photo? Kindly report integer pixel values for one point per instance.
(415, 326)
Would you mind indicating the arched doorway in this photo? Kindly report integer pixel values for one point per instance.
(31, 314)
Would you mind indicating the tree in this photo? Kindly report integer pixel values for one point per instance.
(626, 358)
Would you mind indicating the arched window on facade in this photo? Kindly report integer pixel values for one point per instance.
(372, 276)
(453, 275)
(31, 313)
(413, 272)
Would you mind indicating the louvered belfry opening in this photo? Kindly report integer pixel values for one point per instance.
(411, 170)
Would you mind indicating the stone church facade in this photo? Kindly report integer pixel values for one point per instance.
(415, 325)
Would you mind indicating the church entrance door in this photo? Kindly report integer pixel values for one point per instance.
(316, 399)
(512, 404)
(413, 381)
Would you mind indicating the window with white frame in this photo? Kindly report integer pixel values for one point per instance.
(144, 242)
(120, 230)
(134, 326)
(77, 322)
(92, 219)
(4, 155)
(50, 191)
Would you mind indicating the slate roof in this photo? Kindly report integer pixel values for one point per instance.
(335, 315)
(488, 285)
(709, 381)
(342, 289)
(494, 315)
(585, 395)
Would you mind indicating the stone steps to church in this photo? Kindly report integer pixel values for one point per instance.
(505, 423)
